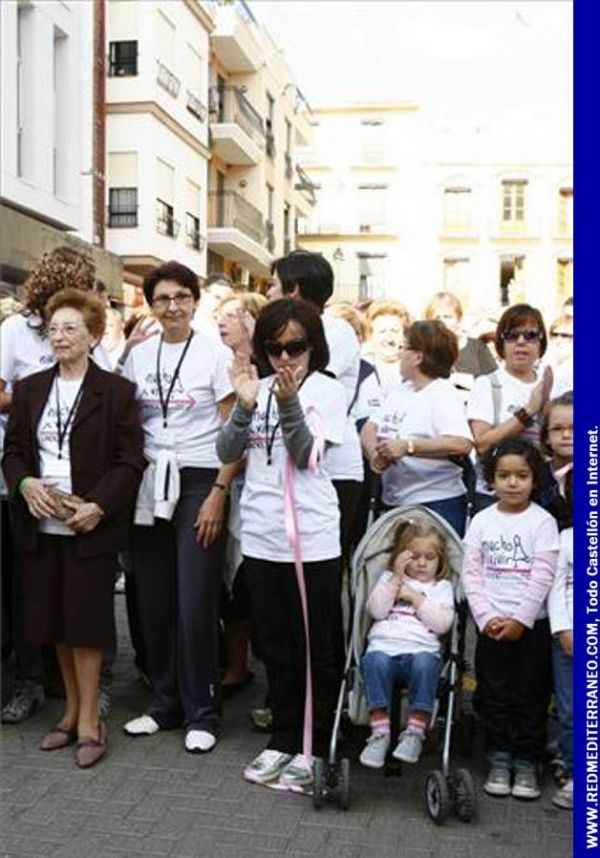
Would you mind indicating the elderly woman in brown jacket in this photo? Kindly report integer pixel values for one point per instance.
(73, 461)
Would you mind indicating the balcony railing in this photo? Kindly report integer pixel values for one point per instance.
(229, 209)
(305, 185)
(229, 104)
(166, 224)
(195, 106)
(167, 79)
(123, 216)
(289, 167)
(195, 239)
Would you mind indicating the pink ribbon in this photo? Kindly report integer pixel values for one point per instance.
(293, 535)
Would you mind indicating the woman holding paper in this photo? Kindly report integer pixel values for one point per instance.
(73, 461)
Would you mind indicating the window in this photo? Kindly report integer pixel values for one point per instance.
(564, 279)
(457, 208)
(512, 280)
(122, 207)
(60, 150)
(287, 240)
(456, 276)
(192, 216)
(270, 123)
(123, 59)
(371, 272)
(372, 200)
(165, 223)
(289, 167)
(513, 201)
(194, 84)
(565, 212)
(270, 224)
(372, 141)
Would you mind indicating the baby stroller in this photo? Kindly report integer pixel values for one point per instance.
(445, 790)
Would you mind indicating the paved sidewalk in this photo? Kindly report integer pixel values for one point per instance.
(150, 797)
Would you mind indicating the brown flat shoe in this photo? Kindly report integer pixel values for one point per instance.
(89, 750)
(57, 737)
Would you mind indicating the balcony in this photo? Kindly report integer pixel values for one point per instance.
(236, 40)
(236, 231)
(167, 79)
(195, 106)
(237, 131)
(305, 185)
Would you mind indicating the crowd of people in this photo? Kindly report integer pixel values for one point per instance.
(224, 449)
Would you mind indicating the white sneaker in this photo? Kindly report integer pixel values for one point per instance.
(297, 773)
(409, 747)
(375, 751)
(199, 741)
(145, 725)
(266, 767)
(564, 796)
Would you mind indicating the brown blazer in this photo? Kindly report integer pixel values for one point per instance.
(106, 450)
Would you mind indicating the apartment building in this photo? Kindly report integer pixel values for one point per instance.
(258, 117)
(157, 135)
(49, 127)
(409, 205)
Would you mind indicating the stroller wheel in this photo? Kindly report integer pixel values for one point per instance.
(318, 783)
(465, 797)
(437, 796)
(344, 783)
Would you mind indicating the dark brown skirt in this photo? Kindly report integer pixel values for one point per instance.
(68, 600)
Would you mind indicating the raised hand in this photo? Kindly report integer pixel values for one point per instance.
(245, 381)
(541, 392)
(287, 382)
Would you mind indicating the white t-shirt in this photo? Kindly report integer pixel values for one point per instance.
(402, 632)
(509, 541)
(53, 468)
(514, 394)
(263, 525)
(431, 412)
(193, 420)
(560, 599)
(344, 461)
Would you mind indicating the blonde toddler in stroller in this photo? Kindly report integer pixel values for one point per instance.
(412, 604)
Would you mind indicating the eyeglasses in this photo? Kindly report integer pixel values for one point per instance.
(561, 335)
(530, 335)
(68, 330)
(181, 299)
(292, 348)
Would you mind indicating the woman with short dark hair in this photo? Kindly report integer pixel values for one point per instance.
(177, 546)
(73, 461)
(411, 439)
(276, 423)
(510, 401)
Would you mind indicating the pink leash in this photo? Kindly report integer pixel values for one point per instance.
(293, 535)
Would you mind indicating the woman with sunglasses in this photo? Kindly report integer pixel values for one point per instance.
(177, 546)
(510, 401)
(276, 422)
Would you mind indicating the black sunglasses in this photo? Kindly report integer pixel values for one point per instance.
(292, 348)
(532, 335)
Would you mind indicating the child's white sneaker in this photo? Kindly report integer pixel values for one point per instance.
(564, 796)
(409, 747)
(375, 751)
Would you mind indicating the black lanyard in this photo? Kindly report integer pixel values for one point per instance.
(62, 431)
(164, 403)
(270, 439)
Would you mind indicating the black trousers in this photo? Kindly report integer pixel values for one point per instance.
(349, 495)
(514, 682)
(279, 630)
(178, 584)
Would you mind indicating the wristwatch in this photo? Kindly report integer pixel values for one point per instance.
(523, 416)
(410, 447)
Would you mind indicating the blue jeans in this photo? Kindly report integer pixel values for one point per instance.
(418, 671)
(562, 667)
(453, 510)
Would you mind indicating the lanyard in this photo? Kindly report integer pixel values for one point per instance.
(270, 439)
(164, 403)
(60, 429)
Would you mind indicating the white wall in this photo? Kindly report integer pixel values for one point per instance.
(34, 188)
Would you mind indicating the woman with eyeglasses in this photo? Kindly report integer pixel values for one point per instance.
(510, 401)
(73, 462)
(276, 422)
(185, 394)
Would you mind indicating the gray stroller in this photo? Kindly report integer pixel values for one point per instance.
(445, 790)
